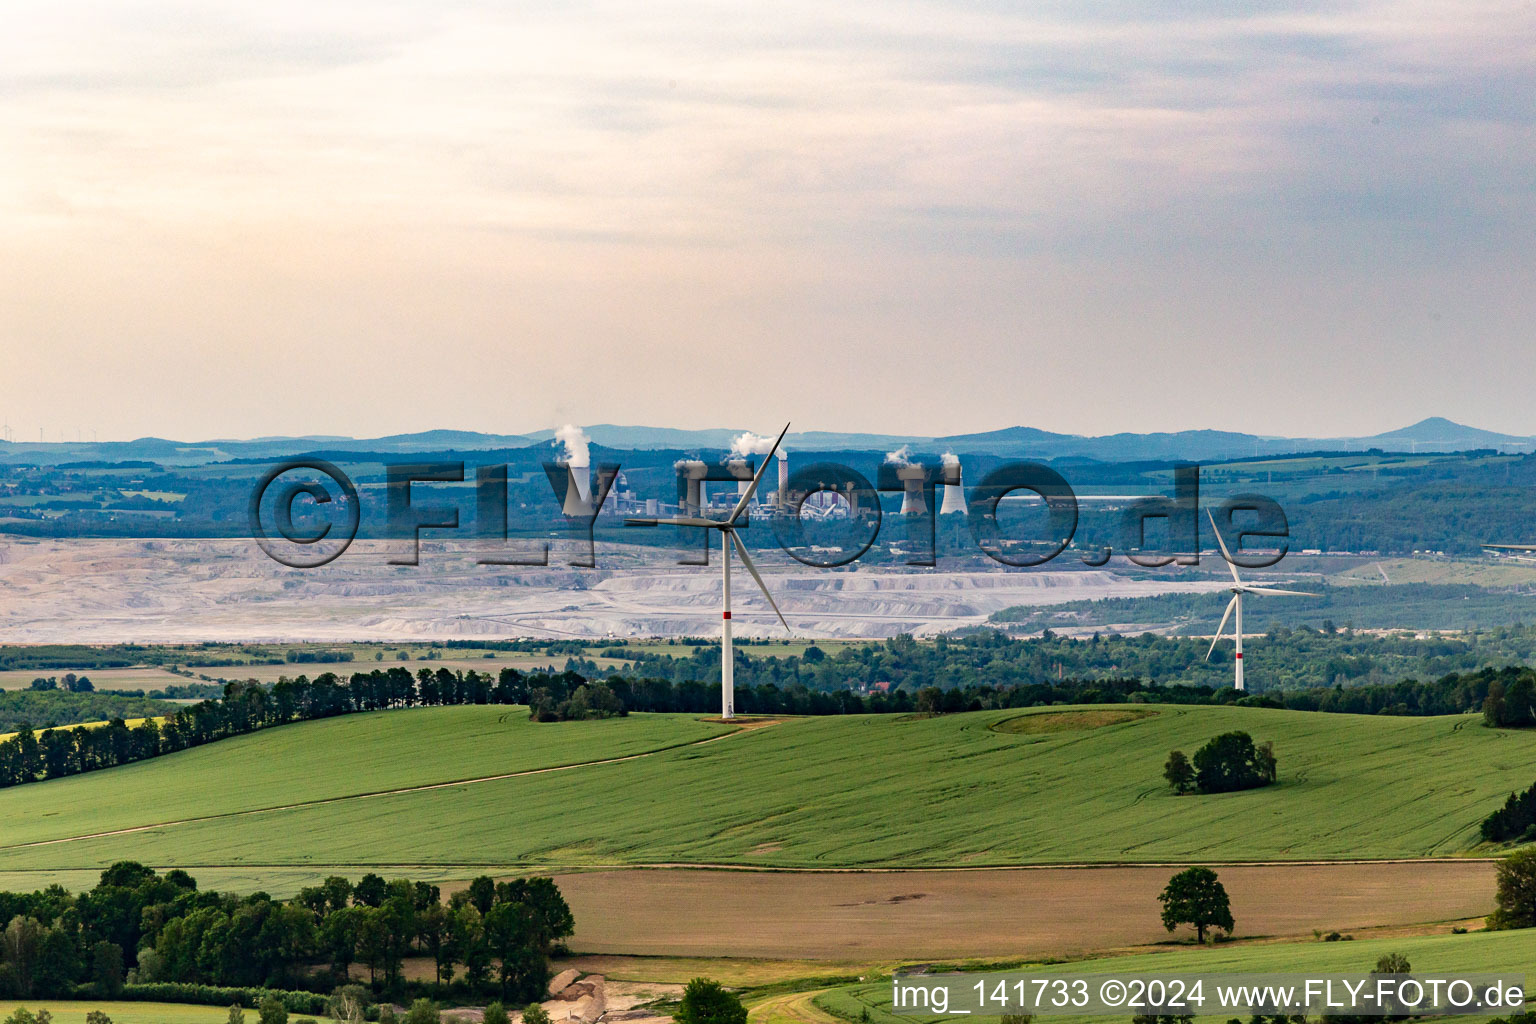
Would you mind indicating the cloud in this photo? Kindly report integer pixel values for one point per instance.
(909, 195)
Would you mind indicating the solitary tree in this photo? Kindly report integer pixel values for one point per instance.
(272, 1010)
(705, 1002)
(1516, 896)
(1179, 773)
(535, 1014)
(349, 1004)
(423, 1011)
(1194, 896)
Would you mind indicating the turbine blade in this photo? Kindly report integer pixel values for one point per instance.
(1225, 554)
(1273, 590)
(674, 521)
(1221, 627)
(746, 560)
(756, 479)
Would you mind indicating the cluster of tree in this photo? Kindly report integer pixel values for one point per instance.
(1511, 703)
(154, 930)
(51, 707)
(589, 700)
(1225, 764)
(71, 682)
(1515, 820)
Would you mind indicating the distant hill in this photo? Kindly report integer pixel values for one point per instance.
(1433, 434)
(1441, 434)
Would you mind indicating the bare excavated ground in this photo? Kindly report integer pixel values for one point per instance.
(1042, 912)
(181, 591)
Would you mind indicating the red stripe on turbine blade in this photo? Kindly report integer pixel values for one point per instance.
(1239, 653)
(726, 614)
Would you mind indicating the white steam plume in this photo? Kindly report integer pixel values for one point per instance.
(575, 441)
(751, 444)
(900, 457)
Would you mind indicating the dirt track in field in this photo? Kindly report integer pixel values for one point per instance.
(984, 913)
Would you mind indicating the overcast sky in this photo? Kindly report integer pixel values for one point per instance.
(224, 219)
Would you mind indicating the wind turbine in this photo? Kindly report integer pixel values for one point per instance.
(1239, 588)
(727, 528)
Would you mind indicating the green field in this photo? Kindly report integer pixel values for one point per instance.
(822, 792)
(1510, 952)
(338, 757)
(73, 1012)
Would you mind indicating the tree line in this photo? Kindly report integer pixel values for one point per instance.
(245, 707)
(249, 705)
(156, 933)
(1281, 659)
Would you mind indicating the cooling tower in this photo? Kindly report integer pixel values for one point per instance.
(692, 472)
(954, 495)
(578, 501)
(783, 494)
(911, 477)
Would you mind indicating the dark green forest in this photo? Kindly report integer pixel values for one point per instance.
(139, 934)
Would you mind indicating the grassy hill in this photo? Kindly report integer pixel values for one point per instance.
(982, 788)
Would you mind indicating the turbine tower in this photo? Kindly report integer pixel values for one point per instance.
(1239, 588)
(727, 528)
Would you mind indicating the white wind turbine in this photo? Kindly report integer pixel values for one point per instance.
(1239, 588)
(727, 528)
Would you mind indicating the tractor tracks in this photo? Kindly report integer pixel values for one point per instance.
(743, 729)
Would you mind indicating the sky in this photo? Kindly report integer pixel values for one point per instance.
(1290, 218)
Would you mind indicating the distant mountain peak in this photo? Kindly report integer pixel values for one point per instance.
(1439, 430)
